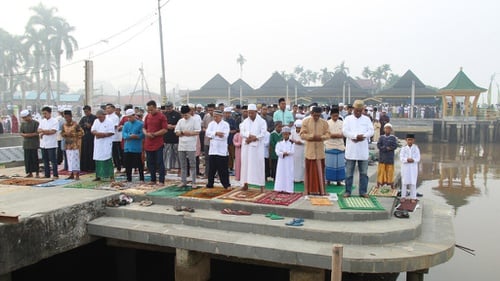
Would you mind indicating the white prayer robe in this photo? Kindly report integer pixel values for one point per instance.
(409, 171)
(103, 146)
(352, 127)
(299, 158)
(252, 154)
(285, 167)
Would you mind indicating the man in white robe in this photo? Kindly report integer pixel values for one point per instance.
(299, 153)
(285, 168)
(252, 130)
(103, 130)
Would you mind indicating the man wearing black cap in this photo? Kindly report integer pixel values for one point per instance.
(188, 130)
(87, 164)
(72, 135)
(170, 139)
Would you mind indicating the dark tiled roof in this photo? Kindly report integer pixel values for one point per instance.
(217, 82)
(403, 88)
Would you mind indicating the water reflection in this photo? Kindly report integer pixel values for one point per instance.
(454, 169)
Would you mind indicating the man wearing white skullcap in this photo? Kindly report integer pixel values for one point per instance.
(285, 149)
(253, 130)
(31, 142)
(298, 156)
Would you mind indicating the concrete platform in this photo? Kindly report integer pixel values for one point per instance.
(57, 219)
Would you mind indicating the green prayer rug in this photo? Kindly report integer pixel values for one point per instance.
(171, 191)
(360, 203)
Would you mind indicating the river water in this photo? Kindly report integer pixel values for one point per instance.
(467, 179)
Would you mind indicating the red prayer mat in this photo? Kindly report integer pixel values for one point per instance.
(279, 198)
(250, 195)
(407, 205)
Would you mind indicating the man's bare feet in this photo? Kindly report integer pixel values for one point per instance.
(261, 189)
(245, 187)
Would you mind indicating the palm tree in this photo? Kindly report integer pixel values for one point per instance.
(342, 68)
(10, 62)
(33, 52)
(241, 61)
(44, 22)
(325, 75)
(62, 39)
(380, 73)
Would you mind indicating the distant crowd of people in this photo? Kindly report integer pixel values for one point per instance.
(317, 145)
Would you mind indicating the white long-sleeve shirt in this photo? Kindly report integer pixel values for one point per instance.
(351, 128)
(218, 145)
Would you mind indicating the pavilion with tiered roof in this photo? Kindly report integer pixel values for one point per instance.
(461, 86)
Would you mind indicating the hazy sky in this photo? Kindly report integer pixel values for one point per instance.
(204, 37)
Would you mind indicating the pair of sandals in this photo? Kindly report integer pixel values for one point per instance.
(296, 222)
(274, 216)
(228, 211)
(185, 209)
(401, 214)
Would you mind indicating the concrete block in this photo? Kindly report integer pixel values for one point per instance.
(307, 274)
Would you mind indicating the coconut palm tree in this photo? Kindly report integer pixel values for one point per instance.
(44, 22)
(62, 40)
(325, 75)
(241, 61)
(33, 52)
(378, 75)
(341, 68)
(10, 62)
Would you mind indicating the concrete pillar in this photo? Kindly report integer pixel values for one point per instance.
(5, 277)
(473, 133)
(491, 127)
(126, 261)
(459, 131)
(307, 274)
(416, 275)
(191, 266)
(448, 132)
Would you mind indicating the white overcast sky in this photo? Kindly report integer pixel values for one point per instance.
(204, 37)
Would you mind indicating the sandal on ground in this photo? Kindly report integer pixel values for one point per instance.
(146, 203)
(402, 214)
(294, 223)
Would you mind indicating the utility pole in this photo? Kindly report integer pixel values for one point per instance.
(89, 82)
(163, 88)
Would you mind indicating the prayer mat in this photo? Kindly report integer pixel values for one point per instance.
(23, 181)
(206, 193)
(407, 205)
(171, 191)
(54, 183)
(299, 187)
(250, 195)
(279, 198)
(385, 191)
(360, 203)
(135, 177)
(86, 184)
(67, 173)
(320, 201)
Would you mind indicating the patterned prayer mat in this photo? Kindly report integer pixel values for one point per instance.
(360, 203)
(171, 191)
(250, 195)
(299, 187)
(206, 193)
(54, 183)
(278, 198)
(320, 201)
(385, 191)
(407, 205)
(24, 181)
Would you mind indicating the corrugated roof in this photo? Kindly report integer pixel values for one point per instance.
(403, 87)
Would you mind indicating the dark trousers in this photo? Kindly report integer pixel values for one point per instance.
(274, 163)
(267, 167)
(117, 155)
(49, 157)
(218, 164)
(31, 161)
(154, 160)
(133, 160)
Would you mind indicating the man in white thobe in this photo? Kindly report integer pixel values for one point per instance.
(252, 131)
(410, 157)
(103, 129)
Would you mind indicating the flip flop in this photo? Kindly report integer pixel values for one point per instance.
(298, 220)
(146, 203)
(294, 223)
(276, 217)
(402, 214)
